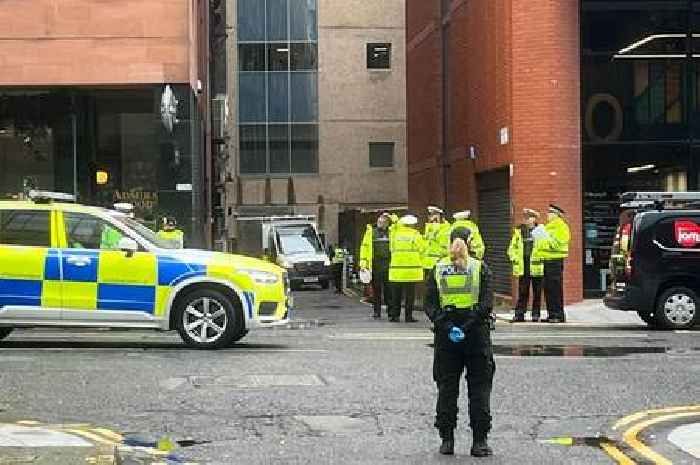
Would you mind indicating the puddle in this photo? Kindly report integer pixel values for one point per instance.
(575, 350)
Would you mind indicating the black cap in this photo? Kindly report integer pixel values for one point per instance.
(461, 233)
(556, 209)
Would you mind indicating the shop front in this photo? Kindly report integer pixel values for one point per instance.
(105, 145)
(640, 112)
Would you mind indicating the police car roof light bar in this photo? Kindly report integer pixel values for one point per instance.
(661, 196)
(48, 196)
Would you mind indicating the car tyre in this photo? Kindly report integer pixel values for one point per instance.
(208, 319)
(677, 308)
(4, 332)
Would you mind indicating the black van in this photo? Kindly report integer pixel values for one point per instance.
(655, 261)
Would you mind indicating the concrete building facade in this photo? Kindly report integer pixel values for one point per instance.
(350, 110)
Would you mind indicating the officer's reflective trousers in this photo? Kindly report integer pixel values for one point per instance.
(474, 354)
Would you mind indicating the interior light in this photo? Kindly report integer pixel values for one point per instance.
(638, 169)
(283, 50)
(101, 177)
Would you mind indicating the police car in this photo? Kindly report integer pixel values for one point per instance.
(69, 265)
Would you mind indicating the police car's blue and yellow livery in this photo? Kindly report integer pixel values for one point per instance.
(70, 265)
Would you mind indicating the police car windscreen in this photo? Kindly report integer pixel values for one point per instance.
(298, 240)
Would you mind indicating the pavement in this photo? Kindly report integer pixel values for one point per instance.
(339, 387)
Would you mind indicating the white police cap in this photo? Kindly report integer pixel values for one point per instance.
(463, 215)
(408, 220)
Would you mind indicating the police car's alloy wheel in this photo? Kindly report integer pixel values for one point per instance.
(208, 320)
(677, 308)
(4, 332)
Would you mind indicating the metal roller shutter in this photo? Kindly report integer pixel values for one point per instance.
(494, 224)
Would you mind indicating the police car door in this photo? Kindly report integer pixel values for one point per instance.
(29, 280)
(101, 282)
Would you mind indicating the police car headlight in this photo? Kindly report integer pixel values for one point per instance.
(326, 262)
(262, 277)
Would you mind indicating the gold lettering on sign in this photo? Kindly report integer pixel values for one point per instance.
(142, 200)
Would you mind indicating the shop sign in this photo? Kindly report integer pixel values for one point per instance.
(142, 200)
(687, 233)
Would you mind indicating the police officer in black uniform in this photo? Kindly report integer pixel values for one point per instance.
(459, 302)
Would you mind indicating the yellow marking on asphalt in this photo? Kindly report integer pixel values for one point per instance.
(560, 441)
(640, 415)
(616, 454)
(28, 423)
(91, 436)
(630, 436)
(109, 434)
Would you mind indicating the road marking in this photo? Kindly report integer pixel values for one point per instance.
(616, 454)
(630, 436)
(425, 336)
(687, 438)
(640, 415)
(33, 436)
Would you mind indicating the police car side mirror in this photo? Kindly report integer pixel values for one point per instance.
(128, 245)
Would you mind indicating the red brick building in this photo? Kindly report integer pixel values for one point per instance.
(494, 115)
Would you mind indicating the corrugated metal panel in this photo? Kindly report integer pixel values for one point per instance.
(494, 224)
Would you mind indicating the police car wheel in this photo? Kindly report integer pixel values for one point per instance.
(4, 332)
(207, 319)
(677, 308)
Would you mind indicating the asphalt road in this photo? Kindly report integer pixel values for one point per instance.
(338, 387)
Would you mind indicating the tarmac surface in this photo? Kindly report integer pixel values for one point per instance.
(338, 387)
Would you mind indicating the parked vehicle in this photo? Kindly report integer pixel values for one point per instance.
(655, 261)
(291, 242)
(68, 265)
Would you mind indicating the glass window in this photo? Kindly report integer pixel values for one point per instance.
(90, 232)
(304, 148)
(303, 20)
(253, 149)
(279, 148)
(679, 233)
(278, 57)
(303, 57)
(381, 154)
(304, 97)
(277, 20)
(251, 20)
(25, 227)
(298, 240)
(278, 97)
(251, 57)
(251, 97)
(378, 56)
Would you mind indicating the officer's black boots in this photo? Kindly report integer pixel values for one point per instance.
(480, 446)
(448, 442)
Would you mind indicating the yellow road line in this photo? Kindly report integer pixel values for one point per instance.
(640, 415)
(616, 454)
(28, 423)
(109, 434)
(92, 436)
(630, 436)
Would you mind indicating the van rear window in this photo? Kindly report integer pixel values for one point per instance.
(679, 233)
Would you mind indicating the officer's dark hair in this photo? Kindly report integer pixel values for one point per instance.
(460, 233)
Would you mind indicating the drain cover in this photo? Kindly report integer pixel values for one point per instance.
(338, 424)
(258, 381)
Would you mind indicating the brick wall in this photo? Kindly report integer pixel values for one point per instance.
(514, 64)
(48, 42)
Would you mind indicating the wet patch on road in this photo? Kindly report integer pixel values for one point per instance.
(531, 350)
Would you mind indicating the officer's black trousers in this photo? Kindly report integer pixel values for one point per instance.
(450, 360)
(399, 290)
(524, 283)
(338, 276)
(554, 288)
(380, 286)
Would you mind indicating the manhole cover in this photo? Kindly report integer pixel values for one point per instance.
(338, 424)
(258, 381)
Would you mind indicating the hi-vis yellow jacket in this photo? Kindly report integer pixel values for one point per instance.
(557, 245)
(407, 247)
(516, 254)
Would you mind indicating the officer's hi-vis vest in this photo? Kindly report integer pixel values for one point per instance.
(458, 288)
(339, 256)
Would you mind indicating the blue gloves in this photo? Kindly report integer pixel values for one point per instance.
(456, 334)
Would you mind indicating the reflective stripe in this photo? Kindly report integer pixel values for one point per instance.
(126, 297)
(458, 288)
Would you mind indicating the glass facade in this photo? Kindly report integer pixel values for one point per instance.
(105, 146)
(277, 87)
(640, 111)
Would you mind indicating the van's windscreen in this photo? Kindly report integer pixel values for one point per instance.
(298, 240)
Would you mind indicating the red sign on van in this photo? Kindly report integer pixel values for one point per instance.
(687, 233)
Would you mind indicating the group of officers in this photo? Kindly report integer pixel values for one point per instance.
(449, 259)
